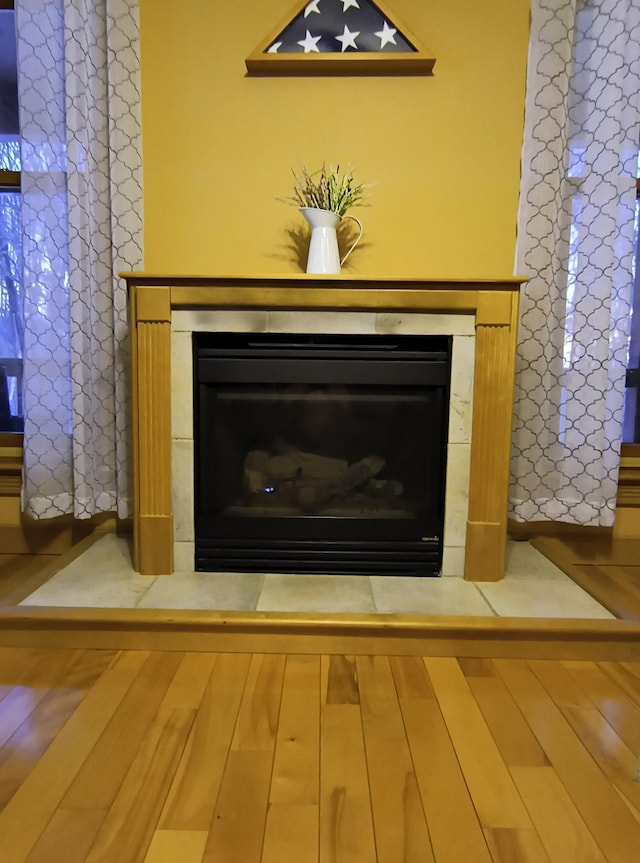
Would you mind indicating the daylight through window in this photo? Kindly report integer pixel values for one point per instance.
(10, 230)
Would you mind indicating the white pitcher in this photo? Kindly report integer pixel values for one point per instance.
(324, 256)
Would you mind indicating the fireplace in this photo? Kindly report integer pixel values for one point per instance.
(320, 453)
(481, 315)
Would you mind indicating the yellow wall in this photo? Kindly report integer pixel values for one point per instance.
(443, 151)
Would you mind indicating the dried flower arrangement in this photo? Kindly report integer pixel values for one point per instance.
(327, 189)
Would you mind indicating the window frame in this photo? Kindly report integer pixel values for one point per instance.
(10, 442)
(630, 452)
(9, 180)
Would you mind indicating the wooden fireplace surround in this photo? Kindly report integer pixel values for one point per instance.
(152, 299)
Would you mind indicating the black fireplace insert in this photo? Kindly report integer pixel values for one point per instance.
(320, 454)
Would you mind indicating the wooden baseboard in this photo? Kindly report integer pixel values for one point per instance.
(147, 629)
(23, 539)
(56, 536)
(627, 524)
(528, 530)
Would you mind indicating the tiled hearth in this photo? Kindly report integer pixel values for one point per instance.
(103, 577)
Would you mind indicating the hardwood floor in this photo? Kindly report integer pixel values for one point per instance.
(607, 569)
(21, 574)
(120, 756)
(126, 756)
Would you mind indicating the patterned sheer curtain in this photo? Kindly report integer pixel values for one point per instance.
(78, 82)
(576, 241)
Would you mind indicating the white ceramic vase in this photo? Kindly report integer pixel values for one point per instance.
(324, 256)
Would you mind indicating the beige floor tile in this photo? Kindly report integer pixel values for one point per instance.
(217, 591)
(524, 561)
(92, 590)
(541, 597)
(330, 593)
(448, 596)
(102, 577)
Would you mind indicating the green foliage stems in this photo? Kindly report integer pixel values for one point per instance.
(326, 190)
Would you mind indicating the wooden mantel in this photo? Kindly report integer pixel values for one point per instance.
(494, 303)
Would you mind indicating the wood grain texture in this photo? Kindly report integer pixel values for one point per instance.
(606, 567)
(490, 452)
(127, 830)
(25, 747)
(492, 790)
(494, 303)
(454, 830)
(365, 759)
(176, 846)
(153, 522)
(237, 830)
(614, 757)
(509, 844)
(611, 700)
(346, 824)
(68, 837)
(362, 63)
(612, 825)
(622, 674)
(195, 786)
(291, 833)
(262, 632)
(296, 773)
(112, 756)
(257, 721)
(563, 832)
(341, 680)
(400, 827)
(21, 822)
(514, 738)
(21, 574)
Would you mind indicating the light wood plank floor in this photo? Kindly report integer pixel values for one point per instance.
(125, 756)
(21, 574)
(607, 569)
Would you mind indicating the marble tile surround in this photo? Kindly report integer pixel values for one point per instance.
(460, 326)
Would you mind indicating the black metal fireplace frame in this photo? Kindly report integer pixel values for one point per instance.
(328, 545)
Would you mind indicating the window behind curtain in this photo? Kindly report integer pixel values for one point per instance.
(631, 428)
(10, 231)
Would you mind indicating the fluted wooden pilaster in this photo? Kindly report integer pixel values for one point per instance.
(153, 520)
(496, 320)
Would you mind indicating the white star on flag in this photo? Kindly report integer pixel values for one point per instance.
(386, 35)
(368, 30)
(310, 43)
(348, 39)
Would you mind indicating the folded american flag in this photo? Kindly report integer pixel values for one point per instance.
(339, 26)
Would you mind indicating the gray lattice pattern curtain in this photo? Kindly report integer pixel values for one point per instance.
(78, 81)
(576, 243)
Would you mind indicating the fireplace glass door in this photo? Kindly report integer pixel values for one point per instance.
(320, 453)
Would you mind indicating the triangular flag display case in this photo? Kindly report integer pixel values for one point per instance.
(340, 37)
